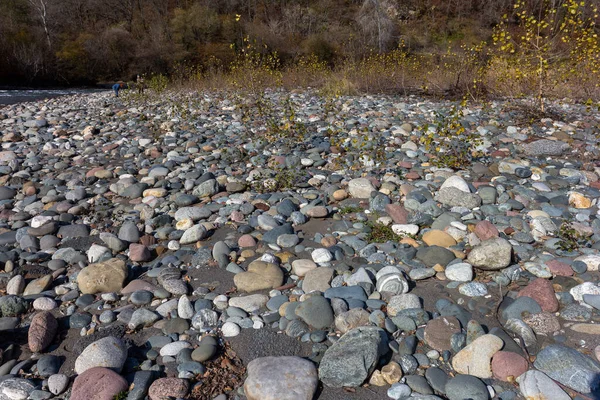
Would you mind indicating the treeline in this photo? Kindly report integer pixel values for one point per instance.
(70, 42)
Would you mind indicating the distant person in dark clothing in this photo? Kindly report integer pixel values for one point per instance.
(116, 87)
(140, 84)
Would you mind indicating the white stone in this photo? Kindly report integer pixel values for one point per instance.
(360, 188)
(301, 267)
(405, 229)
(185, 309)
(172, 349)
(457, 182)
(16, 285)
(460, 272)
(192, 235)
(96, 252)
(321, 256)
(230, 329)
(250, 303)
(585, 288)
(44, 304)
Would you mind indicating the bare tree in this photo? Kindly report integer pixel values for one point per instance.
(375, 19)
(41, 9)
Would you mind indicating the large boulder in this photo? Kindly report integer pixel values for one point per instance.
(352, 359)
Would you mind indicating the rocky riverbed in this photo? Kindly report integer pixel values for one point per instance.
(169, 248)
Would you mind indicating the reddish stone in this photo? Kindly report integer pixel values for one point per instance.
(507, 363)
(512, 213)
(236, 216)
(486, 230)
(412, 175)
(595, 185)
(499, 153)
(98, 383)
(374, 181)
(509, 230)
(41, 331)
(138, 284)
(166, 388)
(262, 206)
(397, 212)
(405, 164)
(148, 240)
(280, 160)
(92, 171)
(246, 241)
(139, 253)
(542, 292)
(559, 268)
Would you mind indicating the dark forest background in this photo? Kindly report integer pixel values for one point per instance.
(73, 42)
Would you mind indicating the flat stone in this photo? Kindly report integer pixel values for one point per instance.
(316, 312)
(109, 352)
(560, 363)
(104, 277)
(542, 292)
(98, 384)
(260, 275)
(491, 255)
(475, 359)
(464, 387)
(439, 331)
(507, 366)
(352, 359)
(537, 385)
(168, 388)
(281, 378)
(318, 279)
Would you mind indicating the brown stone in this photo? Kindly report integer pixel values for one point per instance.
(139, 253)
(439, 331)
(98, 383)
(317, 212)
(165, 388)
(397, 212)
(104, 277)
(42, 330)
(436, 237)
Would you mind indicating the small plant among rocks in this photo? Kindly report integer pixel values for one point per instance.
(281, 179)
(349, 210)
(452, 145)
(570, 239)
(381, 233)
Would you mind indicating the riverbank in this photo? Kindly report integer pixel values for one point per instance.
(290, 246)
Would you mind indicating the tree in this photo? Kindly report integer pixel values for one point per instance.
(549, 45)
(375, 19)
(40, 7)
